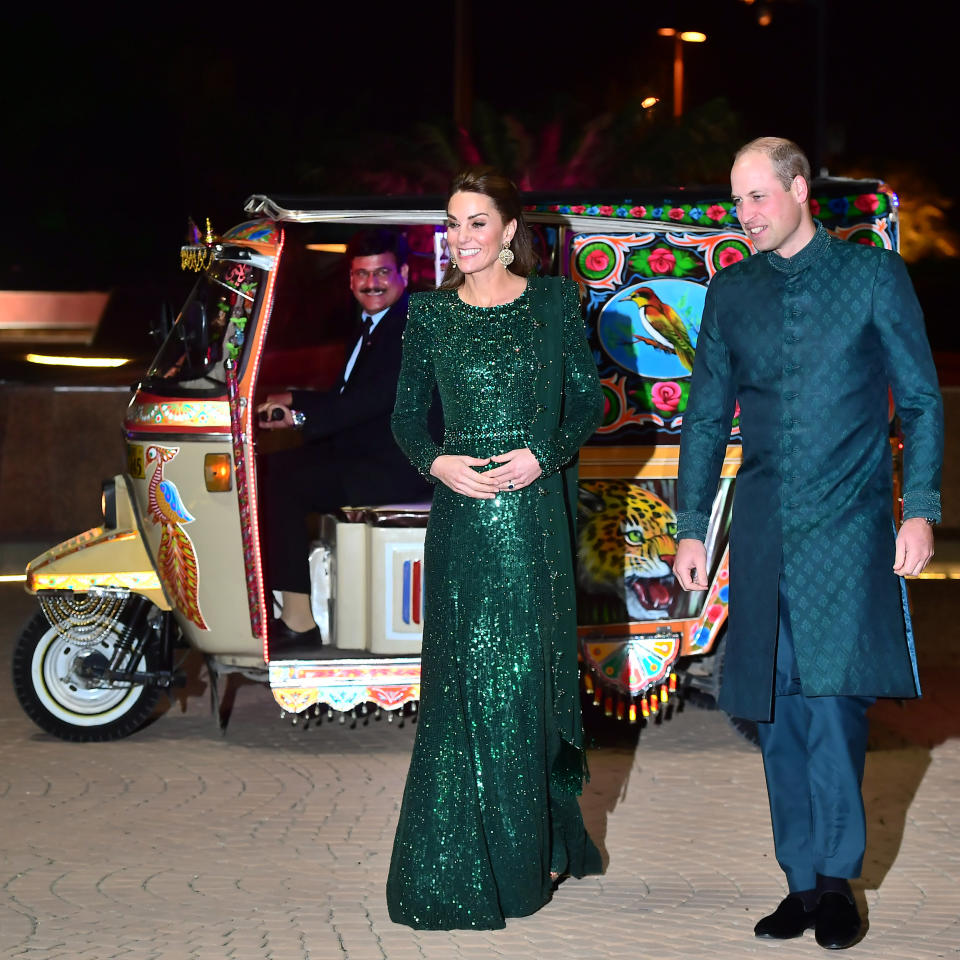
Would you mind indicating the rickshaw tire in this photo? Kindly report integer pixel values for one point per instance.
(48, 703)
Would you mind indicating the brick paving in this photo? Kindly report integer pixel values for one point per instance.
(272, 842)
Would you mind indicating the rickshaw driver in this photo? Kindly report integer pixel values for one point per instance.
(349, 455)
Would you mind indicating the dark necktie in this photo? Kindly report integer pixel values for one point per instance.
(367, 325)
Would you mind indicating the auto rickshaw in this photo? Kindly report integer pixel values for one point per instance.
(178, 562)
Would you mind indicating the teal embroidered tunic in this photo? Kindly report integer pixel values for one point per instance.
(808, 346)
(490, 804)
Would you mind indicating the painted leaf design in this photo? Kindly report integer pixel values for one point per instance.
(178, 568)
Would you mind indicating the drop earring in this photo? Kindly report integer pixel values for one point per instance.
(506, 255)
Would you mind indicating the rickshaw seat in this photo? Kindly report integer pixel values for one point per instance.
(390, 515)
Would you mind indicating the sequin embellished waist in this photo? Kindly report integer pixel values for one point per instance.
(479, 441)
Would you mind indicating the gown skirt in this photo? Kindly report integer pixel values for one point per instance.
(481, 828)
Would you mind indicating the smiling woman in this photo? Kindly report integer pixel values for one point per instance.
(490, 818)
(484, 220)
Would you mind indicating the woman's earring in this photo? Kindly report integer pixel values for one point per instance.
(505, 256)
(452, 262)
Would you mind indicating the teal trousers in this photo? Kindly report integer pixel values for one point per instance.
(813, 756)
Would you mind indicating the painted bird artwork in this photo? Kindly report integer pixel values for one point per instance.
(176, 556)
(667, 330)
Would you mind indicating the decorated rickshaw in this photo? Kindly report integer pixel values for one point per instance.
(177, 560)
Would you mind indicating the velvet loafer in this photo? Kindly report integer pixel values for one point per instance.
(788, 921)
(838, 921)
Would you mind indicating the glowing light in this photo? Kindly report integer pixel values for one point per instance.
(52, 361)
(217, 472)
(764, 18)
(13, 578)
(648, 102)
(327, 247)
(667, 32)
(693, 36)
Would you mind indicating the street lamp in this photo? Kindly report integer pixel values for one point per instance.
(679, 39)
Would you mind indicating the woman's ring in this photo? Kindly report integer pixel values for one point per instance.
(509, 486)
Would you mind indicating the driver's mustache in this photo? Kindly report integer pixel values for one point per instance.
(373, 289)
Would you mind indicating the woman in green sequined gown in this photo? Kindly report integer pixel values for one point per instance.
(490, 813)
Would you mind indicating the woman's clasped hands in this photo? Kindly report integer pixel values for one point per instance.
(518, 468)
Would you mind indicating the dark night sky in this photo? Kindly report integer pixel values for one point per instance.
(114, 133)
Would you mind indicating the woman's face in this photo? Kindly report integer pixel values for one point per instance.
(476, 232)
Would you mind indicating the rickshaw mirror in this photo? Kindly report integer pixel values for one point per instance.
(193, 330)
(217, 472)
(161, 329)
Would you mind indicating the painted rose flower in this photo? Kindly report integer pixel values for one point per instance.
(729, 255)
(666, 395)
(716, 212)
(867, 202)
(606, 211)
(577, 209)
(676, 213)
(661, 260)
(815, 206)
(640, 211)
(598, 260)
(715, 613)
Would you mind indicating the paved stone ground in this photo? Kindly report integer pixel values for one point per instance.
(273, 841)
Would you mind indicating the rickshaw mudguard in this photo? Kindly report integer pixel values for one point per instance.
(113, 558)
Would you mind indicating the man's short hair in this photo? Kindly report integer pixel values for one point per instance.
(788, 160)
(373, 242)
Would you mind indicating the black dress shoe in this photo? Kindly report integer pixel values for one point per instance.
(789, 920)
(838, 921)
(286, 644)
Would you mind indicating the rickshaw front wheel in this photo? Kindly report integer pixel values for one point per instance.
(60, 687)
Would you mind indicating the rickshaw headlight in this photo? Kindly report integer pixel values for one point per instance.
(108, 504)
(217, 472)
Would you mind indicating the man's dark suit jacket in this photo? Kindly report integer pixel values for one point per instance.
(355, 424)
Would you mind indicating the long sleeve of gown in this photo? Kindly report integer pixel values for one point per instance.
(582, 396)
(706, 426)
(415, 393)
(913, 380)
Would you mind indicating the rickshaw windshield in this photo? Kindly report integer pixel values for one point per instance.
(213, 326)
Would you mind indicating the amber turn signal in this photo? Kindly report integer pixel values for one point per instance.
(217, 472)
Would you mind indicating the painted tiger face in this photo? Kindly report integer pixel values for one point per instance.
(627, 542)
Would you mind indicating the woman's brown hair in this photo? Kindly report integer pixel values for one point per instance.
(506, 198)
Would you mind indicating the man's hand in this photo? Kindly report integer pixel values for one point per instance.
(690, 564)
(520, 469)
(457, 473)
(275, 401)
(914, 547)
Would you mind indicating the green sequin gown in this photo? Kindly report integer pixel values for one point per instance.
(481, 825)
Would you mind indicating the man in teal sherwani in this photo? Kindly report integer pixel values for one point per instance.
(807, 335)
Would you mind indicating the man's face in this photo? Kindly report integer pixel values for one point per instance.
(376, 282)
(771, 216)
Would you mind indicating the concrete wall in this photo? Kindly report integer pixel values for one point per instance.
(56, 446)
(950, 487)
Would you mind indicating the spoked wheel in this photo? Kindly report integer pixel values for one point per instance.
(59, 683)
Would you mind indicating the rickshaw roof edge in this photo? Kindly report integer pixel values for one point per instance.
(641, 208)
